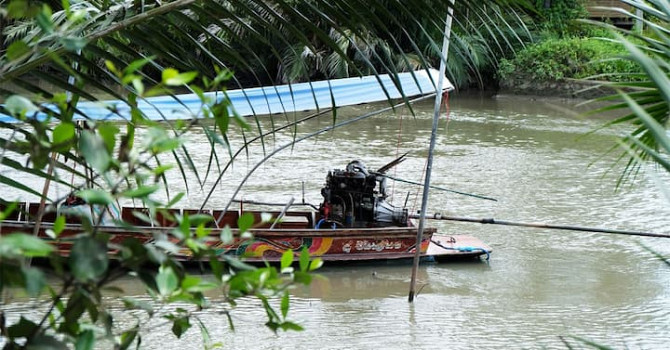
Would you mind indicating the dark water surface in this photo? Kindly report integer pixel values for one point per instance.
(539, 285)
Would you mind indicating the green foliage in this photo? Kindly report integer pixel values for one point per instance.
(645, 104)
(78, 317)
(571, 58)
(559, 16)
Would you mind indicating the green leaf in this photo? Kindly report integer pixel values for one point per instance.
(135, 304)
(169, 73)
(284, 304)
(160, 170)
(240, 120)
(35, 280)
(138, 85)
(94, 196)
(175, 199)
(245, 222)
(127, 338)
(108, 134)
(315, 264)
(166, 280)
(137, 64)
(201, 231)
(226, 235)
(59, 225)
(200, 219)
(302, 277)
(94, 150)
(44, 21)
(23, 328)
(140, 192)
(85, 340)
(17, 49)
(74, 43)
(20, 244)
(237, 264)
(19, 106)
(217, 267)
(20, 9)
(9, 209)
(174, 78)
(180, 326)
(286, 260)
(221, 117)
(158, 141)
(62, 134)
(88, 259)
(190, 281)
(42, 341)
(304, 259)
(111, 67)
(290, 326)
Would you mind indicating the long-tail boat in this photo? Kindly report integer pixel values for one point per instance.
(354, 222)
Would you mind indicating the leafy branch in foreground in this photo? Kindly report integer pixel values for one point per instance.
(122, 167)
(646, 103)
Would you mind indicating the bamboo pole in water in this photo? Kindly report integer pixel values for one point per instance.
(433, 134)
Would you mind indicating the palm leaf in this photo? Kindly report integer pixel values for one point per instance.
(257, 39)
(647, 102)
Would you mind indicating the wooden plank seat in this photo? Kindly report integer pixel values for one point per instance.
(49, 214)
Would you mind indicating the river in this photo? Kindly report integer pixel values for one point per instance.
(540, 289)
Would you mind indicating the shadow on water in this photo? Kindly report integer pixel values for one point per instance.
(378, 280)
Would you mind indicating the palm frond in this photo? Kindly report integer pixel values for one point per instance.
(263, 42)
(646, 102)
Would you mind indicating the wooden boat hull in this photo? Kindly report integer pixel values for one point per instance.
(268, 244)
(329, 245)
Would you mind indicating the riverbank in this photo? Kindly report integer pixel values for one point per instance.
(564, 88)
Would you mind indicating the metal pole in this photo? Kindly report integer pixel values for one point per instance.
(429, 165)
(639, 23)
(282, 213)
(493, 221)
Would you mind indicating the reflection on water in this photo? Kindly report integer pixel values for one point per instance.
(539, 285)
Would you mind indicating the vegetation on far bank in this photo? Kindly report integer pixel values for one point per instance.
(566, 49)
(570, 58)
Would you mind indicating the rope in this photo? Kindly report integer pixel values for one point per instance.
(445, 103)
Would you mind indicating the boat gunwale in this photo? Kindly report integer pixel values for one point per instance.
(257, 232)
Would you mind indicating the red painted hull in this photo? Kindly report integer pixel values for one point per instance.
(340, 244)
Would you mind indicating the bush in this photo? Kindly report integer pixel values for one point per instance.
(576, 58)
(560, 16)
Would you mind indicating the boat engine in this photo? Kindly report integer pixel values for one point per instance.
(353, 197)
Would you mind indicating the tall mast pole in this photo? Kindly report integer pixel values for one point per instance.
(433, 134)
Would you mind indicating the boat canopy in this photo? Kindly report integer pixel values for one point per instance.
(274, 99)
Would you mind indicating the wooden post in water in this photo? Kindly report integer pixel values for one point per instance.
(433, 134)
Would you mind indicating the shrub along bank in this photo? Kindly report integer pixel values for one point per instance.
(553, 67)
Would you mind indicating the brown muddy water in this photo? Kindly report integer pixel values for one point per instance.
(540, 288)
